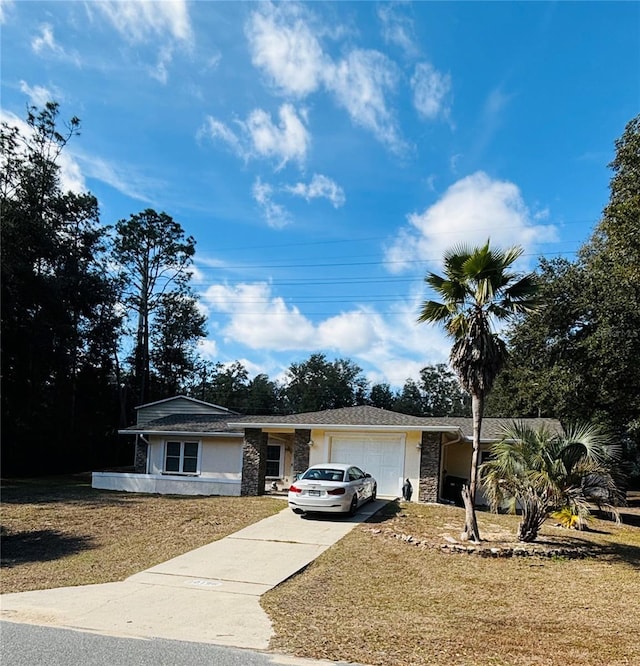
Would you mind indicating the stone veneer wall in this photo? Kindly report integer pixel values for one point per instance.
(301, 451)
(254, 462)
(140, 456)
(430, 466)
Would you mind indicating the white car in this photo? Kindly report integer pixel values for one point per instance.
(332, 487)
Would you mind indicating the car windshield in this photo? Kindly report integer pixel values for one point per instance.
(323, 474)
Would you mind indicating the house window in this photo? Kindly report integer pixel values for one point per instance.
(485, 456)
(182, 457)
(274, 460)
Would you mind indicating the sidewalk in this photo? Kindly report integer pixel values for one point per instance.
(208, 595)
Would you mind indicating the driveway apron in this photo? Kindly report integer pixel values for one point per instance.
(211, 594)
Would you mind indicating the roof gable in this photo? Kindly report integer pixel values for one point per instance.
(180, 404)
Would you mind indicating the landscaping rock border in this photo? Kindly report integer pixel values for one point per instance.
(454, 547)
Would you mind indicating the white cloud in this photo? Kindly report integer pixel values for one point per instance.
(472, 210)
(208, 348)
(259, 319)
(44, 44)
(361, 83)
(276, 215)
(216, 130)
(430, 91)
(319, 187)
(394, 344)
(349, 332)
(162, 24)
(122, 178)
(146, 20)
(45, 41)
(259, 136)
(289, 140)
(4, 6)
(38, 95)
(397, 28)
(283, 45)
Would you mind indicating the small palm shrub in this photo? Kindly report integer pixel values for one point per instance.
(541, 472)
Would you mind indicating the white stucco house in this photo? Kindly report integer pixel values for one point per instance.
(187, 446)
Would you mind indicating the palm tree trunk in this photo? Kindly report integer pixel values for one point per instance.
(471, 532)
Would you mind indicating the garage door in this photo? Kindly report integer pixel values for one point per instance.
(382, 457)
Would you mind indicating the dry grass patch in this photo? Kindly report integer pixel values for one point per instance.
(57, 533)
(377, 599)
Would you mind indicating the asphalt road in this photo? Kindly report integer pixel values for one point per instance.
(31, 645)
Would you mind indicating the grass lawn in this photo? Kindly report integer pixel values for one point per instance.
(377, 597)
(57, 533)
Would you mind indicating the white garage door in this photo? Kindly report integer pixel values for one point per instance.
(382, 457)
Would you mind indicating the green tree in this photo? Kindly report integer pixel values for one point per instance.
(154, 257)
(175, 331)
(410, 399)
(546, 372)
(579, 358)
(263, 396)
(318, 384)
(539, 471)
(477, 290)
(59, 317)
(382, 396)
(441, 392)
(229, 386)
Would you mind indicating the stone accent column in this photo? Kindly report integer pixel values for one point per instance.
(254, 461)
(140, 456)
(430, 467)
(301, 451)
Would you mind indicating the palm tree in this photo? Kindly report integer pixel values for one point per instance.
(478, 291)
(540, 472)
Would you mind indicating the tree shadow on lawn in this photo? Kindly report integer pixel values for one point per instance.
(40, 546)
(388, 512)
(50, 491)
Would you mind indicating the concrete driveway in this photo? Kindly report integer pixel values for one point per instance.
(209, 595)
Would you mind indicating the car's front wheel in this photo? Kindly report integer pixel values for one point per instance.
(374, 493)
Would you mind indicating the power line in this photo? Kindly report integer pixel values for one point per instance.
(236, 267)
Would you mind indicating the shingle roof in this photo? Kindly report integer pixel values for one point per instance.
(196, 423)
(363, 415)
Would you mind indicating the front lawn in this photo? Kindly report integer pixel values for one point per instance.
(57, 532)
(388, 595)
(385, 595)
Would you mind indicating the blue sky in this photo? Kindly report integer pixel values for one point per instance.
(325, 155)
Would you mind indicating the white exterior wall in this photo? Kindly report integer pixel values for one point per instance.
(218, 456)
(164, 484)
(220, 465)
(412, 463)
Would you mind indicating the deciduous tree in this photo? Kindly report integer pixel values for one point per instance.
(317, 384)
